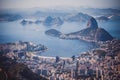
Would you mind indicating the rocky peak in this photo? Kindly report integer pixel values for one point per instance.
(92, 23)
(50, 21)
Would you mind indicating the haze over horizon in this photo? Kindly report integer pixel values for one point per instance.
(6, 4)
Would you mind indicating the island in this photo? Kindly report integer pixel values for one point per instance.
(53, 32)
(51, 21)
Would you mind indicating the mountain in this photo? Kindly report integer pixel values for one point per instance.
(114, 17)
(11, 70)
(92, 32)
(25, 22)
(53, 32)
(109, 17)
(98, 11)
(102, 18)
(50, 21)
(38, 22)
(79, 17)
(102, 35)
(10, 17)
(92, 23)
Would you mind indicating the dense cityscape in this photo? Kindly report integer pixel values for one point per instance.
(59, 40)
(97, 64)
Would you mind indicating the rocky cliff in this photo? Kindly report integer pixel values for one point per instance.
(92, 32)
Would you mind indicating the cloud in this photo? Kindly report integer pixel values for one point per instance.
(61, 3)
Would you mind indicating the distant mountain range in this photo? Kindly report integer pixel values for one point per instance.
(91, 34)
(51, 17)
(79, 17)
(60, 11)
(109, 18)
(58, 21)
(102, 18)
(10, 17)
(98, 12)
(50, 21)
(25, 22)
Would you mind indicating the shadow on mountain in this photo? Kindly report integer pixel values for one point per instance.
(11, 70)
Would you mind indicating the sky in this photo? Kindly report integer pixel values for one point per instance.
(59, 3)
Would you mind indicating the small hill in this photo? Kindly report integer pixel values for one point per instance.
(102, 18)
(50, 21)
(79, 17)
(11, 70)
(53, 32)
